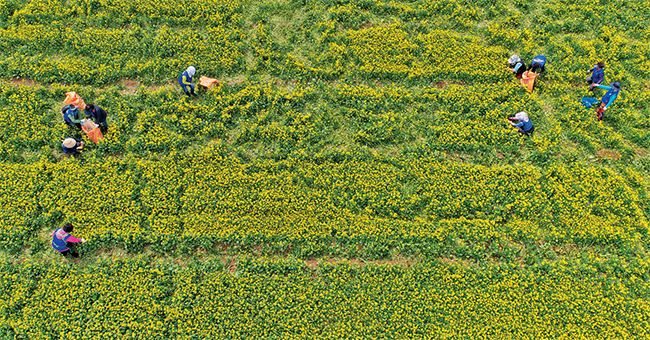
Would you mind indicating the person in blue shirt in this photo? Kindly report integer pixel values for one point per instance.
(72, 116)
(517, 66)
(185, 80)
(525, 126)
(538, 64)
(612, 92)
(597, 75)
(72, 145)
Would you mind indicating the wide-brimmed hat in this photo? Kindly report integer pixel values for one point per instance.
(513, 59)
(616, 85)
(522, 116)
(69, 142)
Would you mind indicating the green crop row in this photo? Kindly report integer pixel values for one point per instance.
(103, 41)
(144, 298)
(285, 121)
(182, 202)
(311, 118)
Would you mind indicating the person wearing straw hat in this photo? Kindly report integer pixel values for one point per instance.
(612, 92)
(185, 80)
(60, 239)
(72, 145)
(525, 126)
(518, 67)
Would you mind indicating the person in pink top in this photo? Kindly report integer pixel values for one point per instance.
(60, 239)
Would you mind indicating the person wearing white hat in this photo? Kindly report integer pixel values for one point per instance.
(185, 80)
(525, 126)
(72, 145)
(518, 67)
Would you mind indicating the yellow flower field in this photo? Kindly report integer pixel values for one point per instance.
(209, 198)
(143, 298)
(352, 175)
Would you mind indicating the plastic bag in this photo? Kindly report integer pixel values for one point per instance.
(91, 130)
(528, 80)
(588, 101)
(89, 124)
(207, 82)
(72, 98)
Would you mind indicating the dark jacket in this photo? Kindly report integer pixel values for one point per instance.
(98, 116)
(597, 75)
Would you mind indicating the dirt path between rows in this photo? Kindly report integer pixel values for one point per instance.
(130, 86)
(23, 82)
